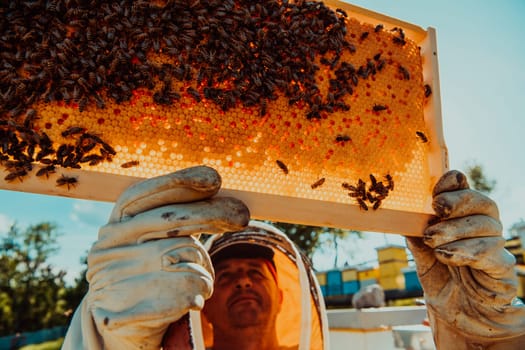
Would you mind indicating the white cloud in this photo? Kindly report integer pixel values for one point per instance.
(5, 223)
(90, 213)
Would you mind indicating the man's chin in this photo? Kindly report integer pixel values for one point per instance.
(243, 317)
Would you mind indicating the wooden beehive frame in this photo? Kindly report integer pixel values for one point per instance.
(291, 209)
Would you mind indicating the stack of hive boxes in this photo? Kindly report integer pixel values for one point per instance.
(392, 260)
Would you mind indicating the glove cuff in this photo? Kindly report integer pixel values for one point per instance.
(500, 330)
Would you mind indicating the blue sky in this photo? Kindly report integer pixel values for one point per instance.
(482, 77)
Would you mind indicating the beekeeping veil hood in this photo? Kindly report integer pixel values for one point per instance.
(302, 320)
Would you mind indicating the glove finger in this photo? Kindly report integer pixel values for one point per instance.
(486, 254)
(182, 186)
(215, 215)
(172, 260)
(452, 180)
(153, 300)
(463, 203)
(109, 266)
(471, 226)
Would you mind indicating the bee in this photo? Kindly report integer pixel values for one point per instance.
(361, 188)
(318, 183)
(16, 174)
(282, 166)
(405, 72)
(378, 28)
(342, 138)
(67, 181)
(49, 169)
(92, 159)
(373, 180)
(194, 93)
(74, 130)
(362, 204)
(63, 152)
(29, 118)
(378, 108)
(400, 39)
(363, 72)
(341, 12)
(428, 90)
(390, 182)
(376, 205)
(131, 163)
(363, 36)
(381, 64)
(422, 136)
(106, 147)
(349, 187)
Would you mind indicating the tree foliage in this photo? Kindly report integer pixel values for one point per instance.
(478, 180)
(310, 238)
(31, 290)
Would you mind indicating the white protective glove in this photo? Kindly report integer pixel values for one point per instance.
(147, 270)
(468, 278)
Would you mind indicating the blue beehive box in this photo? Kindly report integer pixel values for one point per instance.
(411, 279)
(334, 285)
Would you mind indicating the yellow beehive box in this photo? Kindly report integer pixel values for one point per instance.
(391, 268)
(321, 278)
(316, 113)
(391, 252)
(392, 282)
(367, 273)
(349, 274)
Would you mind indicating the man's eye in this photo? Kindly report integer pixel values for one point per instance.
(224, 276)
(257, 273)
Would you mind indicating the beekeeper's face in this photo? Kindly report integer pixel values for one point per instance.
(245, 294)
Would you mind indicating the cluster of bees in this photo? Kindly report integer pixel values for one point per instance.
(86, 51)
(22, 146)
(370, 194)
(366, 195)
(237, 52)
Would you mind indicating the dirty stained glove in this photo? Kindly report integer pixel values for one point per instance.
(468, 278)
(146, 269)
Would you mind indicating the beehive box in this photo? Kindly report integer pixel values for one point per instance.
(349, 274)
(391, 252)
(315, 113)
(391, 268)
(393, 282)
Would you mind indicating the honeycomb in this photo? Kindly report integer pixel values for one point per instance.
(344, 122)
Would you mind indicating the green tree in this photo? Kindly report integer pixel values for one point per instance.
(478, 180)
(31, 290)
(311, 238)
(75, 293)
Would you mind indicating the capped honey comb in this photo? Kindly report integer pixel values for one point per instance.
(317, 113)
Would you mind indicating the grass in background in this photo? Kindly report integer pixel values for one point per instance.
(48, 345)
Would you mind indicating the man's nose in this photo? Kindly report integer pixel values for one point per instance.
(243, 281)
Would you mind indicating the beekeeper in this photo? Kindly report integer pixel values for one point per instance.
(147, 271)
